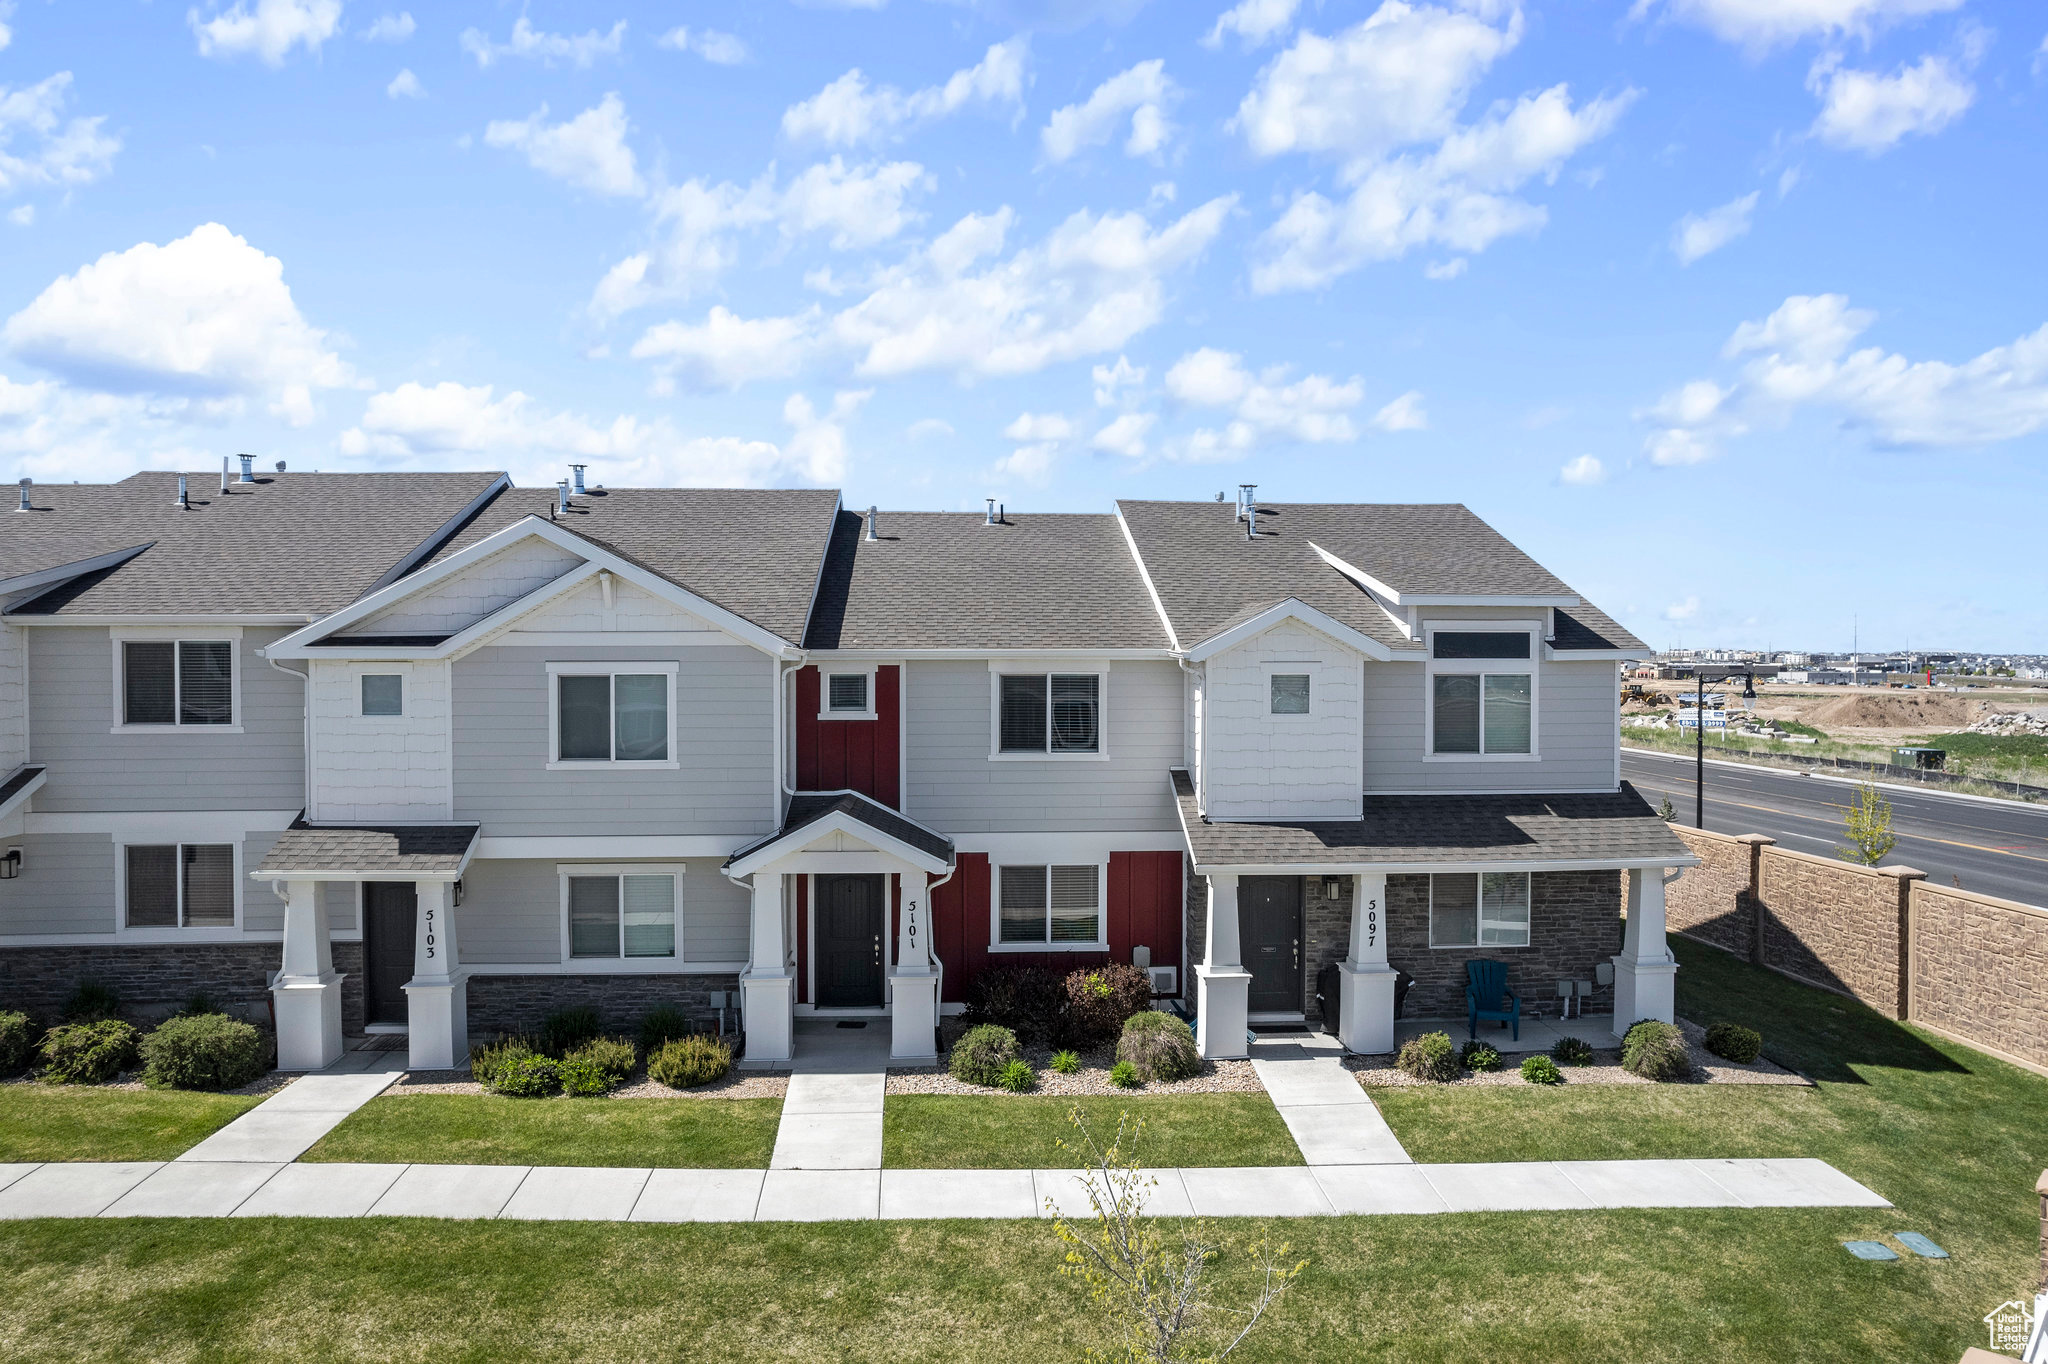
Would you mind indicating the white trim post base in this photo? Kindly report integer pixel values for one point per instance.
(769, 1012)
(308, 1022)
(913, 1016)
(1365, 1013)
(1221, 996)
(437, 1022)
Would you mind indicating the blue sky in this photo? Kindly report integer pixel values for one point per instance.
(1730, 311)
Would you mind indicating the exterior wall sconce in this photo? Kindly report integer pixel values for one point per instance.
(455, 896)
(10, 864)
(1333, 886)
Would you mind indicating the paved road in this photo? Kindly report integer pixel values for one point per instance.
(1995, 849)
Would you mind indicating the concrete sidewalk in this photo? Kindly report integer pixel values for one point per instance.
(1333, 1120)
(284, 1127)
(527, 1193)
(831, 1121)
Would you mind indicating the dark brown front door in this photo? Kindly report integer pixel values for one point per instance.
(1269, 924)
(850, 928)
(389, 908)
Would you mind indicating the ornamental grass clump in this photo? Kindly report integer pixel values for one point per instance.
(88, 1053)
(690, 1061)
(91, 1002)
(1018, 1077)
(1066, 1063)
(982, 1054)
(662, 1025)
(1656, 1051)
(1572, 1051)
(1124, 1075)
(1159, 1047)
(203, 1051)
(564, 1030)
(1478, 1057)
(1429, 1057)
(1733, 1042)
(1101, 998)
(615, 1056)
(1541, 1070)
(17, 1044)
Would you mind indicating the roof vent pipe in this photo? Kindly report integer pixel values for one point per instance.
(579, 468)
(870, 534)
(183, 501)
(280, 466)
(24, 496)
(1002, 515)
(223, 475)
(1251, 510)
(248, 468)
(562, 494)
(991, 513)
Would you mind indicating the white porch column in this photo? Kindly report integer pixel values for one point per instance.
(1222, 985)
(767, 991)
(913, 985)
(307, 991)
(1645, 972)
(437, 996)
(1366, 996)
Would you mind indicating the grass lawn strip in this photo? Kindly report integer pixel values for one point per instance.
(451, 1129)
(1014, 1132)
(92, 1122)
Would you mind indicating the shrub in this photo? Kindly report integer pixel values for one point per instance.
(1656, 1051)
(1541, 1070)
(1124, 1075)
(1066, 1062)
(486, 1061)
(690, 1061)
(1159, 1047)
(1018, 1077)
(1478, 1056)
(88, 1053)
(584, 1077)
(1030, 1001)
(1101, 998)
(615, 1056)
(91, 1002)
(203, 1051)
(1572, 1051)
(661, 1026)
(1429, 1057)
(564, 1030)
(527, 1077)
(1733, 1042)
(980, 1057)
(17, 1044)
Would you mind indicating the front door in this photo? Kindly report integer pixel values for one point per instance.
(850, 928)
(389, 910)
(1269, 919)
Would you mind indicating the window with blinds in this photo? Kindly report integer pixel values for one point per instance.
(177, 682)
(846, 693)
(180, 885)
(1482, 713)
(622, 915)
(1469, 909)
(1051, 905)
(1049, 713)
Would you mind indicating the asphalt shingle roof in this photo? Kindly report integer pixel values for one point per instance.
(938, 580)
(399, 849)
(287, 544)
(753, 551)
(1210, 577)
(808, 807)
(1619, 826)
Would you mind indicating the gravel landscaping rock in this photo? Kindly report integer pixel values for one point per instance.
(1378, 1072)
(1216, 1077)
(737, 1085)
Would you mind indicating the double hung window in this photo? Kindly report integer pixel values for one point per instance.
(1049, 713)
(180, 885)
(622, 915)
(1056, 906)
(612, 717)
(1482, 693)
(1479, 909)
(177, 682)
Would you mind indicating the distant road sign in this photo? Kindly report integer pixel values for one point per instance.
(1716, 719)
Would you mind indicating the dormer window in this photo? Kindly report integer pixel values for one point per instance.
(1482, 693)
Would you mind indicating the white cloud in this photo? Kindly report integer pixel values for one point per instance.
(22, 216)
(1683, 610)
(1700, 234)
(1760, 25)
(269, 32)
(1312, 410)
(1445, 269)
(928, 428)
(1208, 378)
(1405, 413)
(726, 350)
(1044, 435)
(588, 151)
(1255, 22)
(2040, 57)
(1789, 178)
(579, 50)
(859, 205)
(1126, 435)
(38, 146)
(6, 33)
(817, 445)
(390, 28)
(1039, 426)
(205, 318)
(1802, 356)
(847, 112)
(1113, 380)
(1869, 112)
(1584, 472)
(720, 49)
(405, 85)
(1142, 93)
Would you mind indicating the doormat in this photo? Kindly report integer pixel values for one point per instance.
(1264, 1029)
(852, 1025)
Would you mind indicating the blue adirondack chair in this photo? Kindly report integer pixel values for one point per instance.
(1487, 996)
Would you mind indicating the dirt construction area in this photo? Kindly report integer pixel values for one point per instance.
(1872, 715)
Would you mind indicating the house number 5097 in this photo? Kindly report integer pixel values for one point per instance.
(1372, 922)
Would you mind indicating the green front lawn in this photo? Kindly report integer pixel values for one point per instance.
(88, 1122)
(1017, 1132)
(487, 1129)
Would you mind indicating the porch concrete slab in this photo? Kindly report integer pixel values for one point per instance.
(460, 1191)
(1506, 1186)
(1344, 1134)
(822, 1047)
(321, 1191)
(201, 1189)
(911, 1194)
(556, 1193)
(1783, 1183)
(828, 1141)
(73, 1188)
(847, 1092)
(1378, 1189)
(10, 1173)
(700, 1196)
(1255, 1191)
(263, 1137)
(1166, 1196)
(820, 1196)
(1646, 1184)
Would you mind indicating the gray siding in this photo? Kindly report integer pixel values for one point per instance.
(1575, 734)
(723, 737)
(511, 912)
(71, 710)
(953, 785)
(66, 886)
(262, 911)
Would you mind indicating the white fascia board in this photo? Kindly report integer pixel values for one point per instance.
(441, 533)
(15, 801)
(1440, 868)
(827, 656)
(1291, 609)
(1145, 575)
(1399, 598)
(359, 875)
(28, 582)
(164, 618)
(838, 822)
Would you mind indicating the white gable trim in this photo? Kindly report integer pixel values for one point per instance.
(1291, 609)
(29, 788)
(838, 822)
(1399, 598)
(1145, 576)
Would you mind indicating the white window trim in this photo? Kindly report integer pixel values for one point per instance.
(997, 670)
(402, 674)
(826, 672)
(1292, 669)
(995, 907)
(1528, 667)
(179, 933)
(1479, 913)
(620, 965)
(163, 634)
(610, 668)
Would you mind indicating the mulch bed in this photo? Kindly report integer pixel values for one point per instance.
(1378, 1072)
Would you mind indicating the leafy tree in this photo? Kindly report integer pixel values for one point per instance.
(1665, 812)
(1869, 826)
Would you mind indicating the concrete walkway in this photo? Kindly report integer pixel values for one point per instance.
(284, 1127)
(831, 1122)
(540, 1193)
(1333, 1120)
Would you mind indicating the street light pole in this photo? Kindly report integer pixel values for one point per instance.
(1699, 729)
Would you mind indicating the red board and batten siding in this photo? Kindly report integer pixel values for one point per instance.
(1144, 896)
(851, 755)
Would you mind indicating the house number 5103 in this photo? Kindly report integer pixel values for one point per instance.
(430, 934)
